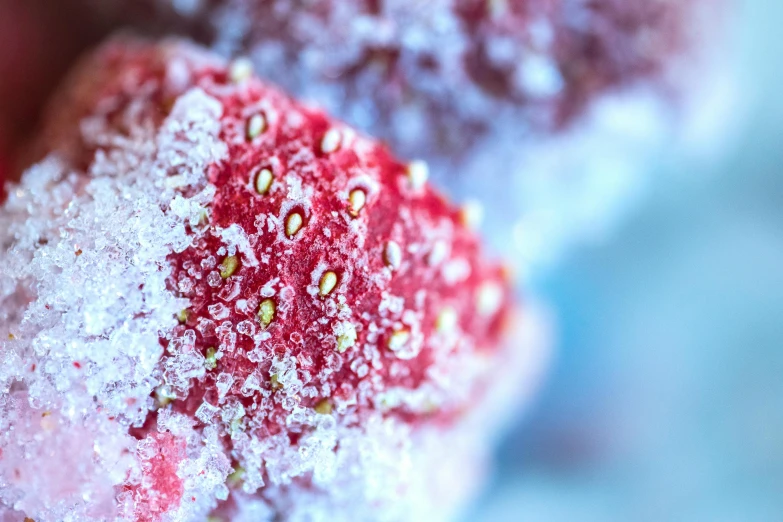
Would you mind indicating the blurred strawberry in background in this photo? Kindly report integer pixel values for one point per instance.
(558, 105)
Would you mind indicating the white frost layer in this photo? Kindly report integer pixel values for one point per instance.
(385, 472)
(83, 303)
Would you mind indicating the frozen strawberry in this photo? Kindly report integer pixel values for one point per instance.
(253, 310)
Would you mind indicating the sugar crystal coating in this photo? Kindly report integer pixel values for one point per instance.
(193, 346)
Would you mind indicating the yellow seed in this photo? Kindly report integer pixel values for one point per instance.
(447, 320)
(263, 181)
(241, 69)
(392, 255)
(203, 217)
(235, 479)
(255, 126)
(343, 343)
(229, 266)
(11, 337)
(293, 224)
(472, 214)
(489, 299)
(236, 423)
(429, 407)
(324, 407)
(183, 315)
(168, 104)
(164, 395)
(274, 382)
(346, 339)
(327, 283)
(418, 172)
(210, 361)
(399, 339)
(356, 199)
(331, 141)
(266, 312)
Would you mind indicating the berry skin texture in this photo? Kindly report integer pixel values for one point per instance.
(320, 348)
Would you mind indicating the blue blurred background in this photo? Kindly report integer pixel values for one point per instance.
(665, 402)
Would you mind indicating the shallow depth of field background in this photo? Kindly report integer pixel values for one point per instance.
(666, 399)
